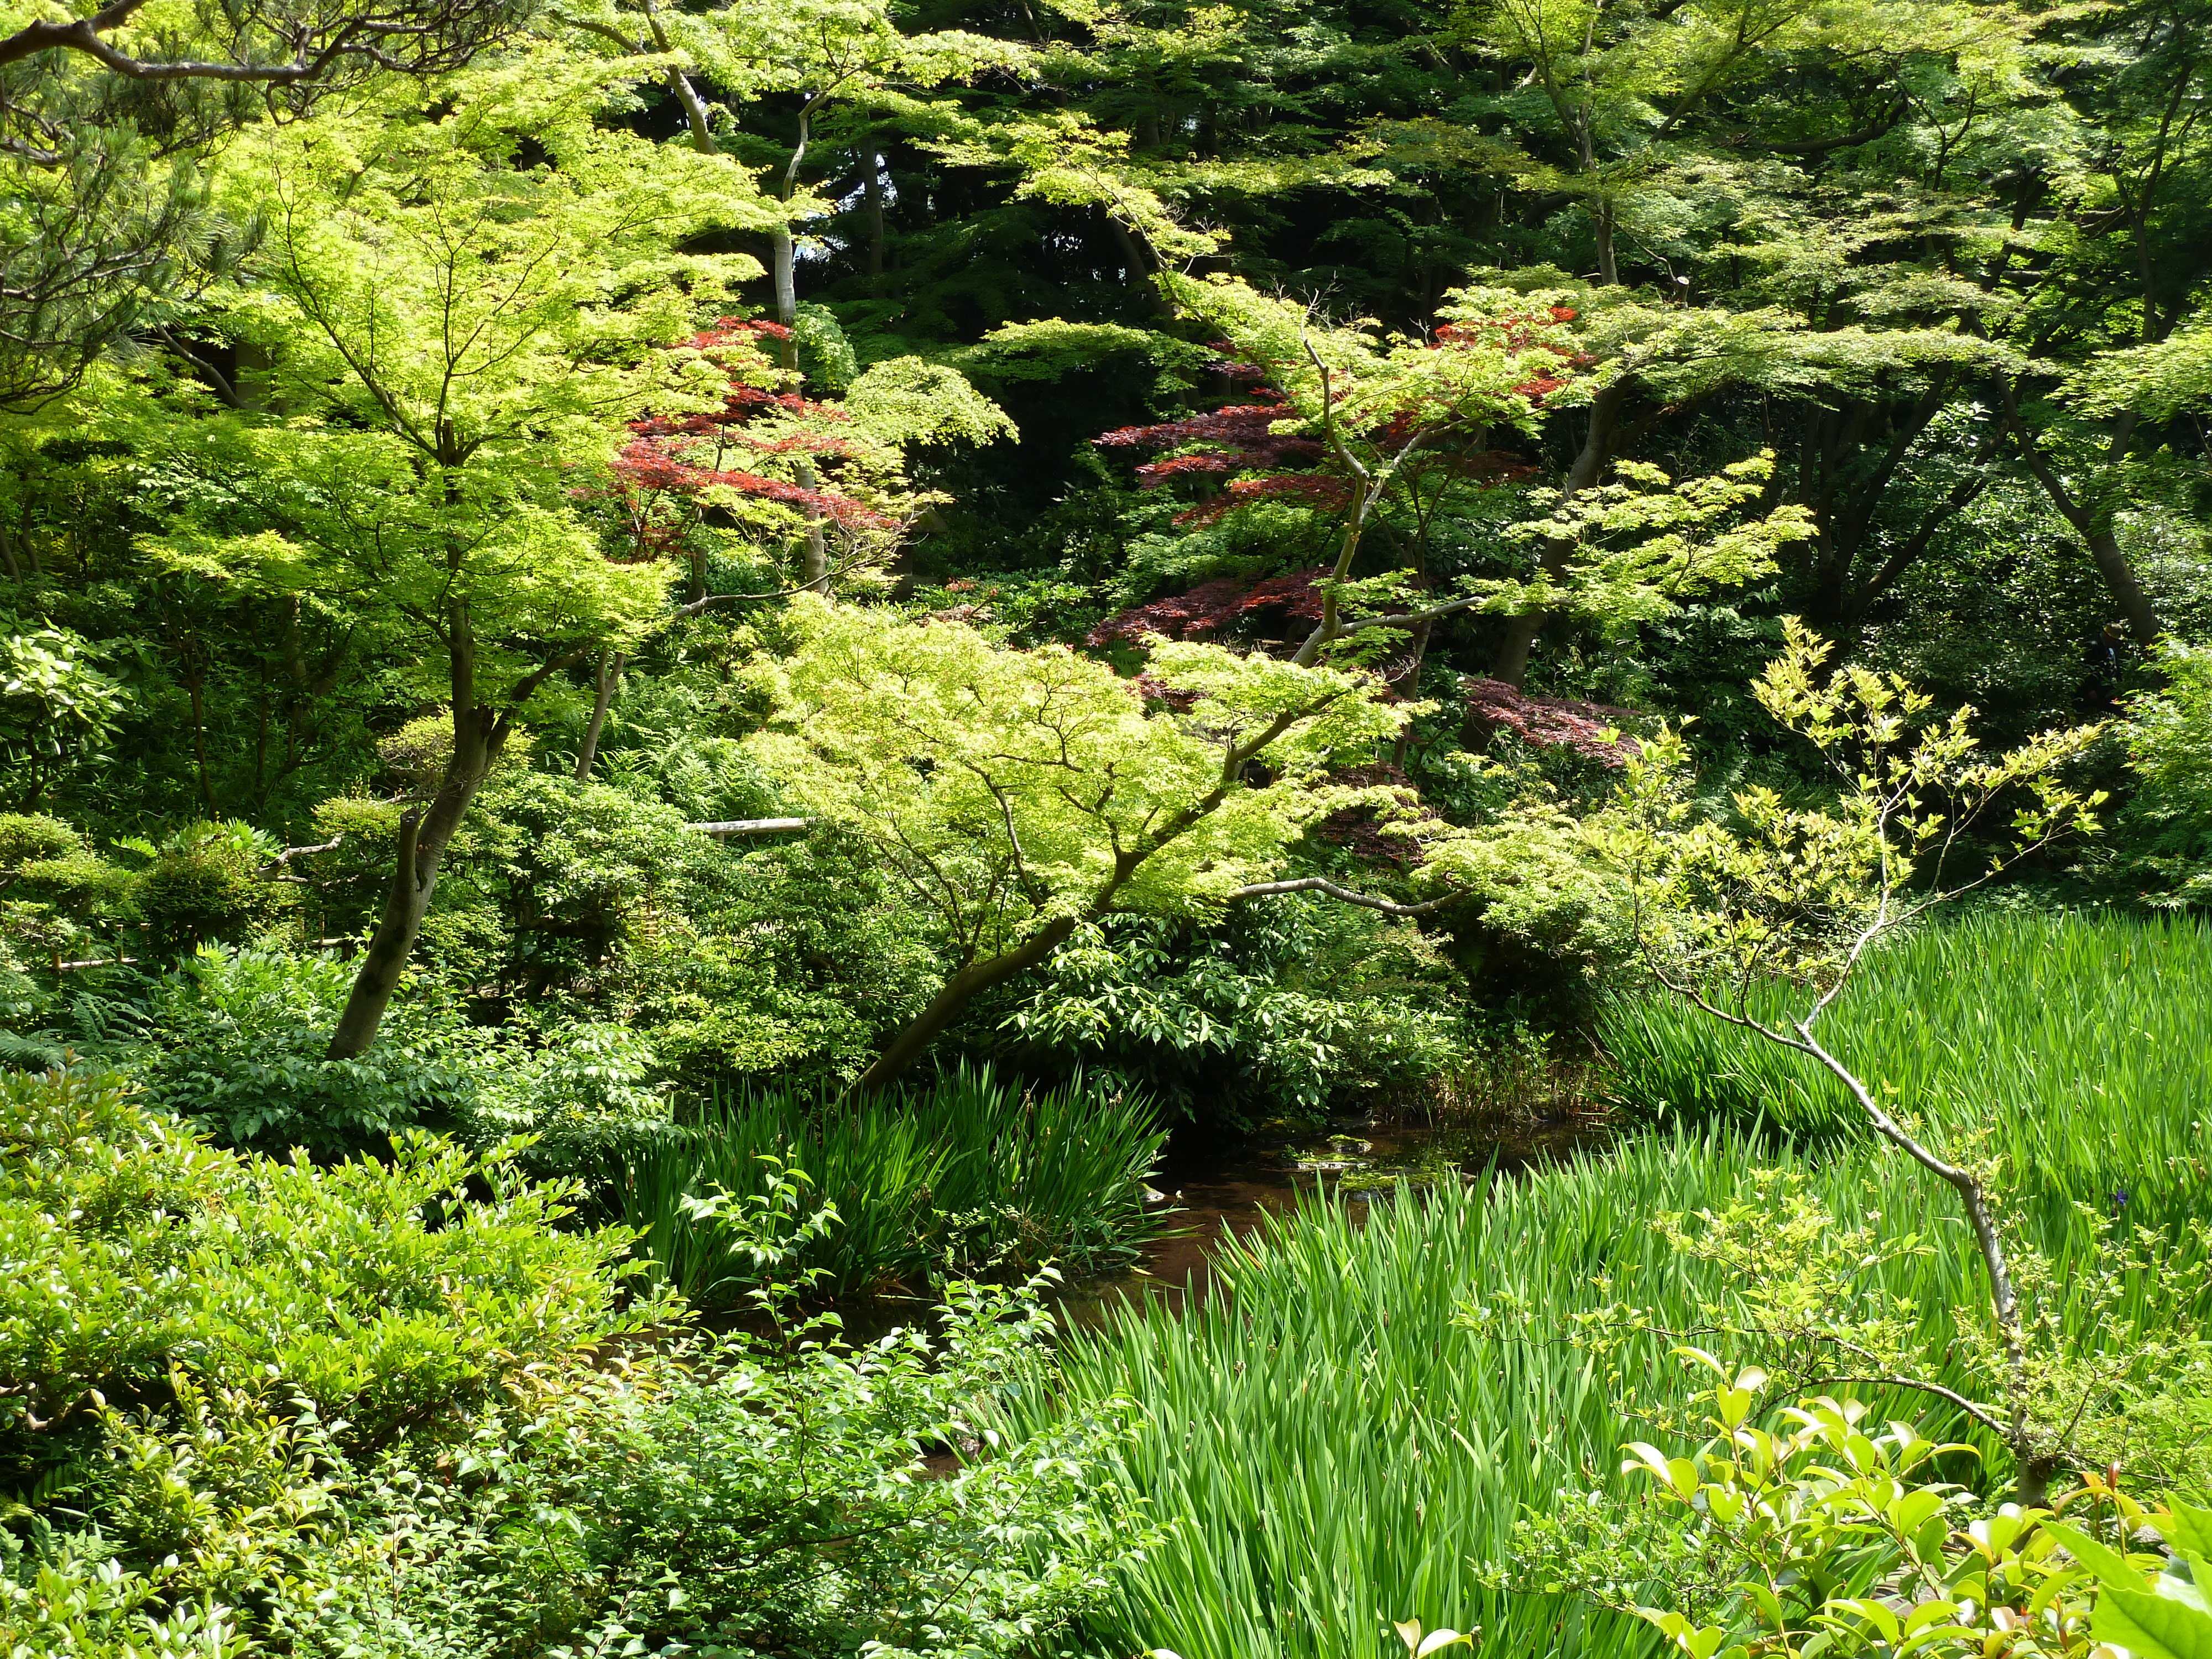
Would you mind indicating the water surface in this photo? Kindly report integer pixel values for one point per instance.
(1215, 1189)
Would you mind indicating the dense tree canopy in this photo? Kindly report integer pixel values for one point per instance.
(664, 658)
(507, 369)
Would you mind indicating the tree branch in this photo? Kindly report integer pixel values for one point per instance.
(1346, 895)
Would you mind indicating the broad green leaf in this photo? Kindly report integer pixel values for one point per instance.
(2152, 1626)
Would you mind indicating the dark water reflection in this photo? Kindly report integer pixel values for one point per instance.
(1213, 1189)
(1218, 1189)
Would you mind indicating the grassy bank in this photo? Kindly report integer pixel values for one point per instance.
(1327, 1449)
(2087, 1038)
(968, 1172)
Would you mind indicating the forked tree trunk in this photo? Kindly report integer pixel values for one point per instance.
(2094, 523)
(480, 733)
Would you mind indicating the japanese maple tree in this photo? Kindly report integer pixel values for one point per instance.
(739, 458)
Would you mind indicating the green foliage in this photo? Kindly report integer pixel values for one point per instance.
(594, 903)
(1800, 1530)
(207, 885)
(236, 1042)
(573, 1092)
(787, 1492)
(1049, 786)
(35, 837)
(1642, 546)
(381, 1294)
(963, 1174)
(1326, 1448)
(243, 1394)
(2169, 736)
(1293, 1005)
(2085, 1030)
(56, 711)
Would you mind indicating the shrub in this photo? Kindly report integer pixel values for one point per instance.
(381, 1294)
(1290, 1006)
(393, 1411)
(199, 1346)
(582, 1092)
(203, 885)
(240, 1036)
(2169, 738)
(27, 837)
(787, 1494)
(1805, 1531)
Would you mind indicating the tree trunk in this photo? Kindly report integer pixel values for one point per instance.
(872, 204)
(1510, 665)
(815, 571)
(2127, 593)
(695, 113)
(479, 735)
(780, 251)
(959, 991)
(2094, 523)
(603, 697)
(423, 835)
(787, 294)
(1137, 264)
(1609, 269)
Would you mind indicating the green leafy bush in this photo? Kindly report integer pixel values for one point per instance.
(204, 885)
(58, 711)
(1805, 1530)
(581, 1091)
(1293, 1004)
(29, 837)
(198, 1344)
(782, 1493)
(2169, 736)
(382, 1294)
(397, 1411)
(238, 1038)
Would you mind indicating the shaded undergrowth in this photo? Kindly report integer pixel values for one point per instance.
(966, 1174)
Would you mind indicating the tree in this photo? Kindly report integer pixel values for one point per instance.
(1019, 795)
(1363, 426)
(820, 51)
(1808, 894)
(756, 458)
(1389, 429)
(457, 341)
(107, 227)
(2127, 216)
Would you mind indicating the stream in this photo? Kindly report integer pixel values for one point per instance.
(1212, 1189)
